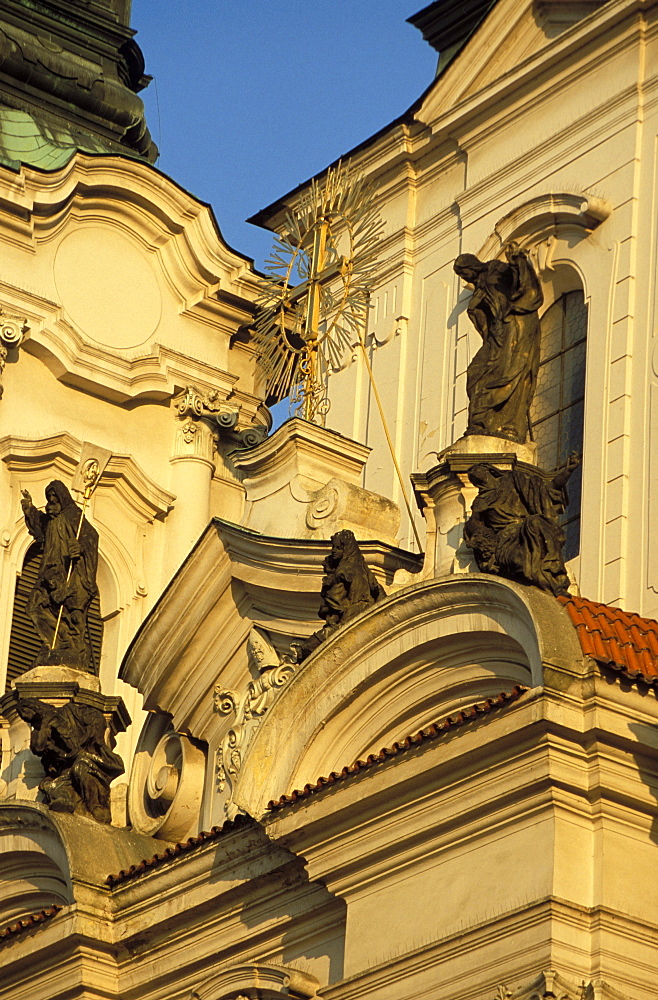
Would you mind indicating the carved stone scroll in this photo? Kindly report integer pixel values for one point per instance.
(12, 332)
(207, 411)
(247, 710)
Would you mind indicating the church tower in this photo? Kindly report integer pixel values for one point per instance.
(70, 73)
(280, 735)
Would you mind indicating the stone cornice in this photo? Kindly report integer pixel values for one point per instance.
(62, 452)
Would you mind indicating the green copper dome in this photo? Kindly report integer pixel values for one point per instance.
(69, 77)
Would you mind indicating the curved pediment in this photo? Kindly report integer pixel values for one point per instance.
(429, 650)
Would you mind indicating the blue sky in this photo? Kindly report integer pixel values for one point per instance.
(251, 97)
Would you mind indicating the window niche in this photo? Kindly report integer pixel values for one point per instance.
(557, 412)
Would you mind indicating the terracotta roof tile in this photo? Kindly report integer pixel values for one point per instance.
(25, 923)
(623, 641)
(170, 853)
(429, 733)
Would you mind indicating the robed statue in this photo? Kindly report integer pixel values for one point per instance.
(501, 378)
(71, 743)
(514, 527)
(58, 605)
(348, 588)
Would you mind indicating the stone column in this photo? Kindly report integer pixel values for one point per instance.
(192, 469)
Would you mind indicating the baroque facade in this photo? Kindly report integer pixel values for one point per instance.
(446, 785)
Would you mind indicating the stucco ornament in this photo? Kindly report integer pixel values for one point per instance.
(514, 529)
(12, 332)
(166, 782)
(210, 411)
(248, 709)
(501, 378)
(550, 985)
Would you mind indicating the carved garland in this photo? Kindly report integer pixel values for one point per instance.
(248, 709)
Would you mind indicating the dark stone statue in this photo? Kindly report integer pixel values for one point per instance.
(66, 580)
(501, 378)
(348, 588)
(513, 528)
(79, 765)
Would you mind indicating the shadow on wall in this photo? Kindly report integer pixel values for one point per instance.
(647, 758)
(288, 897)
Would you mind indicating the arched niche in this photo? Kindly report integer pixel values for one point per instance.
(34, 868)
(555, 227)
(411, 659)
(257, 982)
(124, 509)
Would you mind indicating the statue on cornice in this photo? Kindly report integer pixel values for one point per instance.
(514, 529)
(501, 378)
(70, 742)
(59, 602)
(348, 588)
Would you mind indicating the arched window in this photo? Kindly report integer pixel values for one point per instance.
(557, 412)
(24, 643)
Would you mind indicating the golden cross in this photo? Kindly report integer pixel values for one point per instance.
(311, 288)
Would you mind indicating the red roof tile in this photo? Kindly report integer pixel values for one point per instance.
(626, 642)
(25, 923)
(430, 733)
(182, 847)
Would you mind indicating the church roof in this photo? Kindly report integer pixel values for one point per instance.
(447, 24)
(26, 923)
(618, 639)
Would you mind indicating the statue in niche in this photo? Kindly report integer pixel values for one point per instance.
(501, 378)
(59, 603)
(514, 529)
(79, 765)
(348, 588)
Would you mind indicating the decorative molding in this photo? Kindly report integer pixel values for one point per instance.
(12, 331)
(204, 286)
(539, 220)
(166, 781)
(248, 709)
(205, 419)
(257, 982)
(550, 985)
(37, 458)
